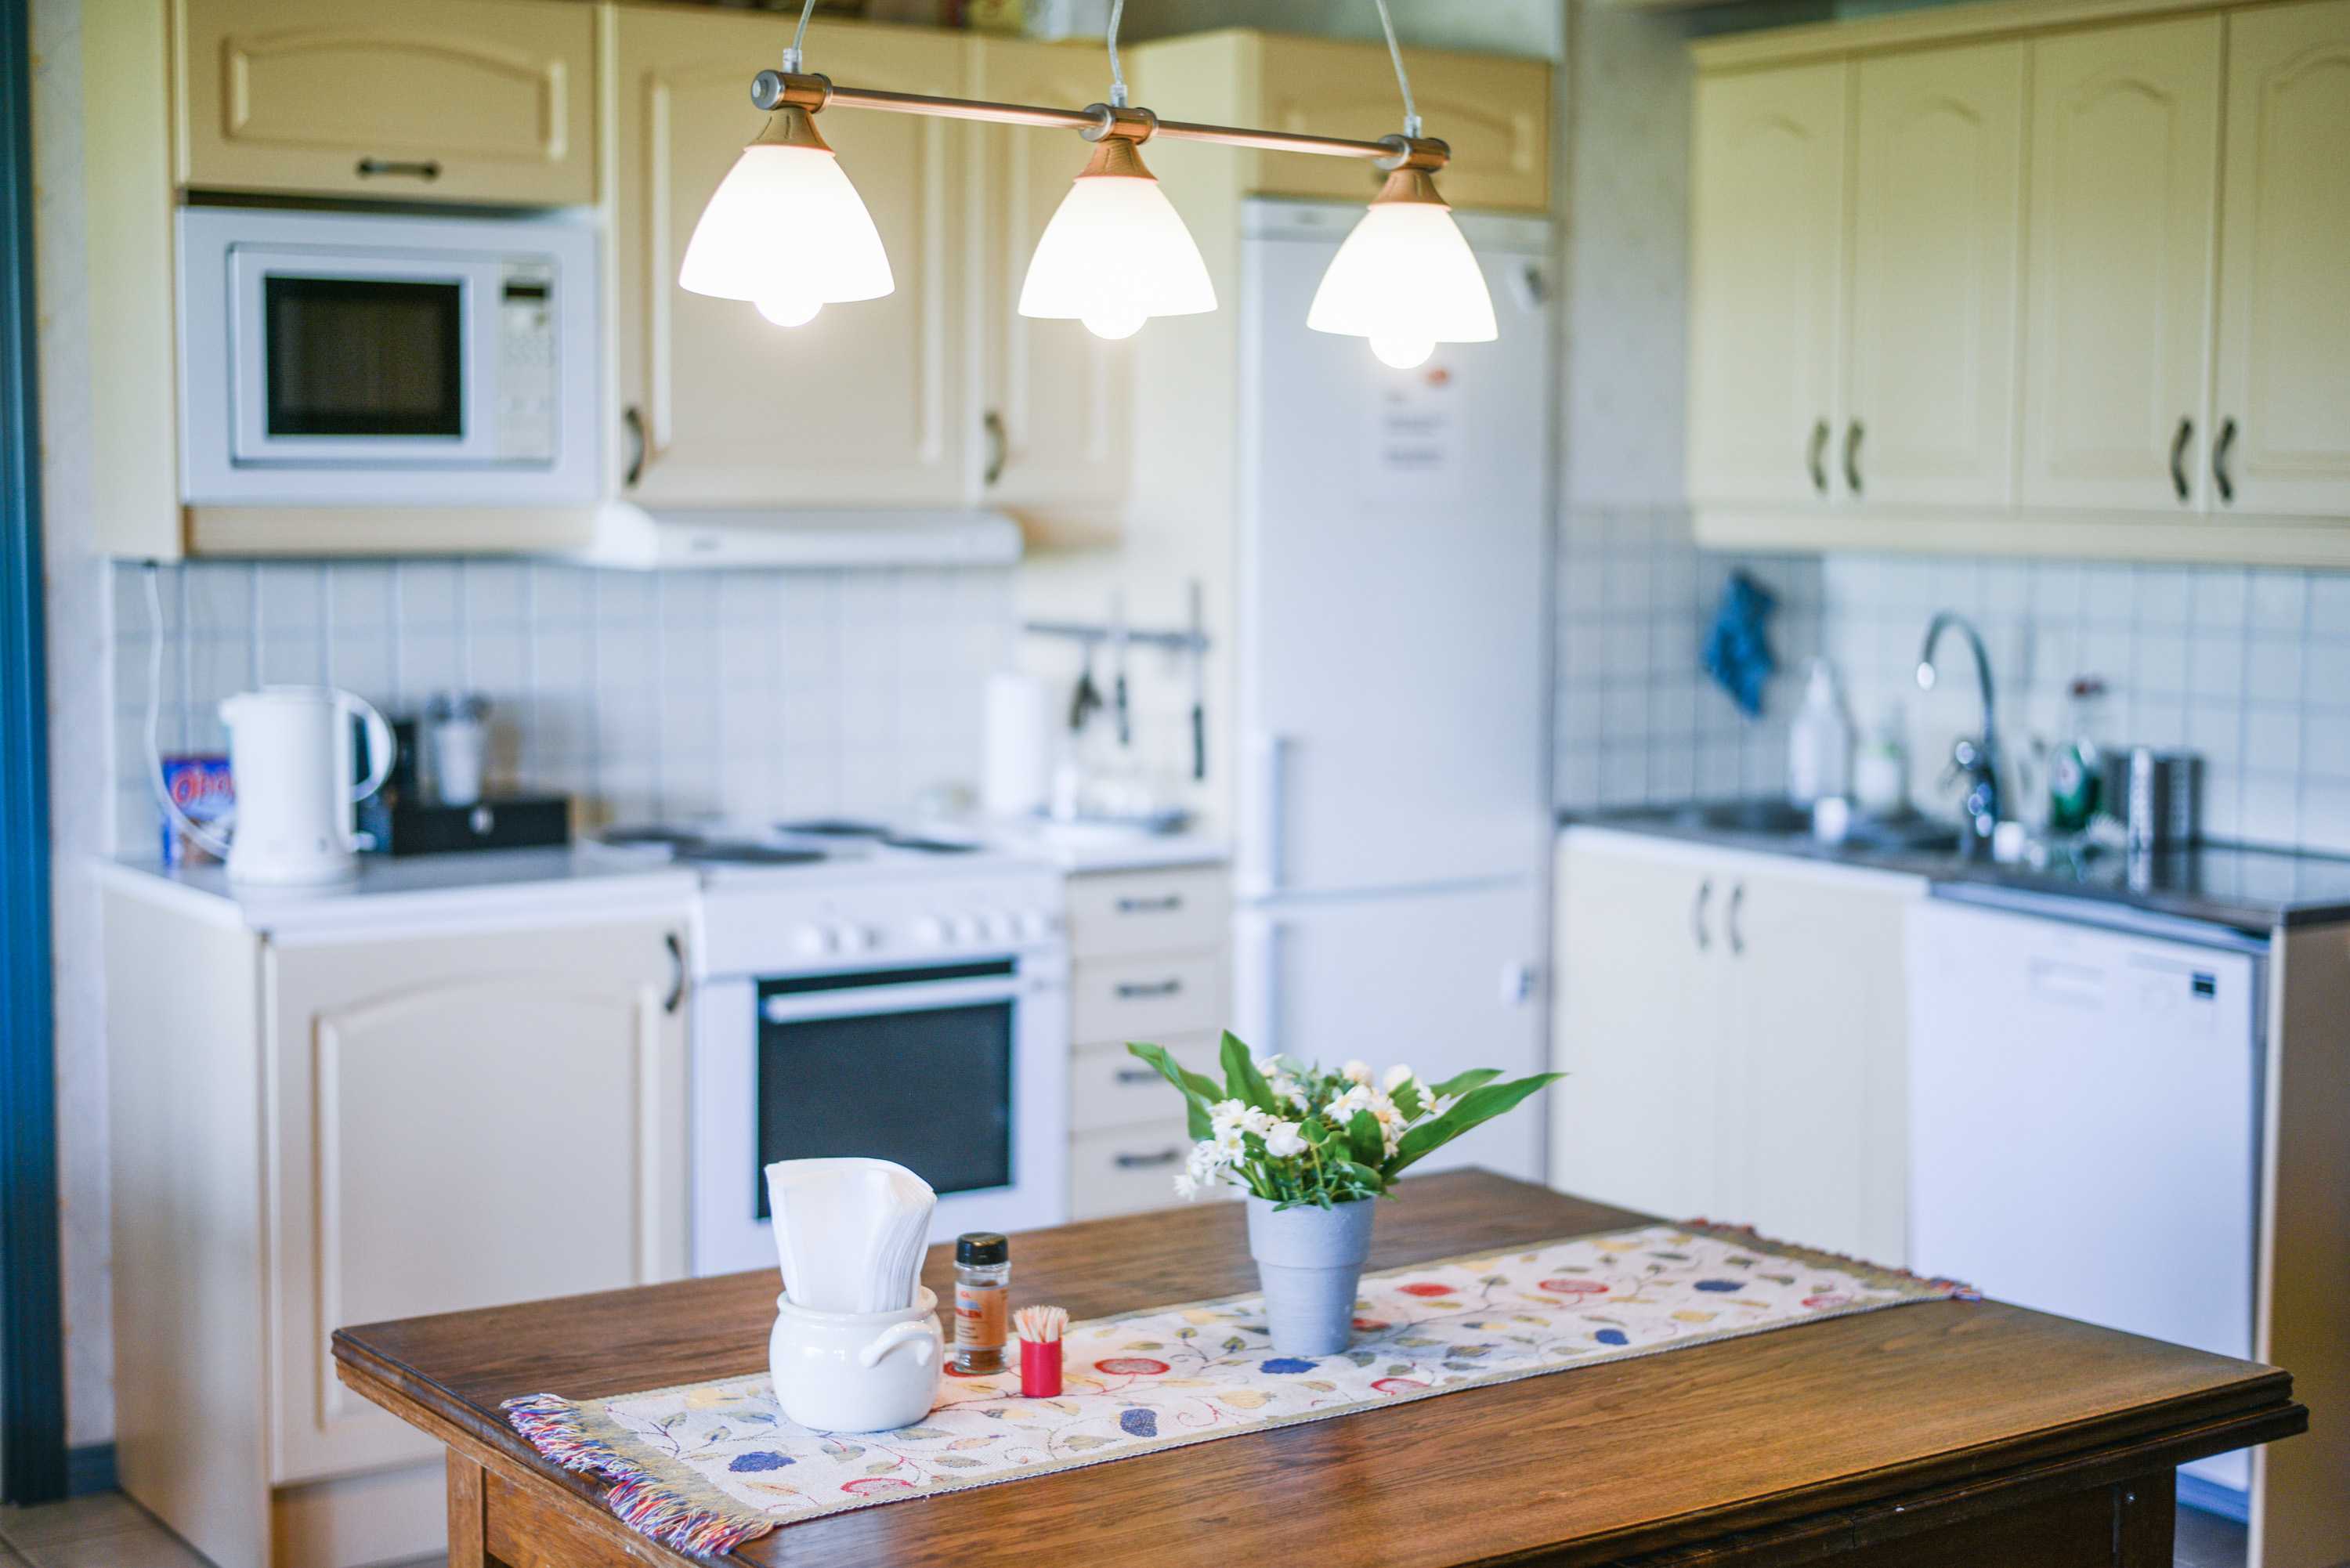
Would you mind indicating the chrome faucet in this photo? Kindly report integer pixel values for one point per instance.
(1976, 760)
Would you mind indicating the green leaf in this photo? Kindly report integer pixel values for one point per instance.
(1478, 1105)
(1313, 1129)
(1242, 1082)
(1407, 1099)
(1198, 1091)
(1462, 1083)
(1369, 1144)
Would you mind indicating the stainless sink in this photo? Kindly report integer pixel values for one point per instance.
(1910, 835)
(1771, 817)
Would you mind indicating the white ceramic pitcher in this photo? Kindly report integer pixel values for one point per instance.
(289, 753)
(856, 1371)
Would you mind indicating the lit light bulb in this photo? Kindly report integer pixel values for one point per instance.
(1117, 251)
(1113, 321)
(1406, 278)
(786, 229)
(1400, 352)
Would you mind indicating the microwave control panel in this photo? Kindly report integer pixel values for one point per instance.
(526, 403)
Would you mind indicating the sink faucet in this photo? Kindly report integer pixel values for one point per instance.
(1975, 760)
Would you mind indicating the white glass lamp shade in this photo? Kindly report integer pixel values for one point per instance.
(1114, 255)
(786, 230)
(1406, 280)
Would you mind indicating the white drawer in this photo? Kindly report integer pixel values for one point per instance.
(1112, 1087)
(1113, 913)
(1126, 1170)
(1112, 1001)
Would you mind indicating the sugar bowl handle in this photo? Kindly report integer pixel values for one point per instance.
(921, 1332)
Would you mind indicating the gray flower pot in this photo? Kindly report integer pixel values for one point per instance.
(1310, 1263)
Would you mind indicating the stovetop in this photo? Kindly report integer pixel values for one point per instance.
(820, 841)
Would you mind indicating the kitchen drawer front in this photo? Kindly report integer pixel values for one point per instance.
(1126, 1170)
(1112, 1087)
(1115, 913)
(1113, 1001)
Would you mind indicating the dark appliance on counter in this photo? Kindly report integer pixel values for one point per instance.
(406, 821)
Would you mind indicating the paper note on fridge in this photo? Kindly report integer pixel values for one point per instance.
(1416, 434)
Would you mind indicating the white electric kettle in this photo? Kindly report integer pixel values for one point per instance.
(289, 754)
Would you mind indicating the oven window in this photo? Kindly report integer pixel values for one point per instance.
(931, 1090)
(364, 357)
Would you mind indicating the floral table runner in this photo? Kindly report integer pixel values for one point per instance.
(706, 1466)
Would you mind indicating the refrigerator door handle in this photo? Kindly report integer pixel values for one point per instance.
(1257, 974)
(1262, 868)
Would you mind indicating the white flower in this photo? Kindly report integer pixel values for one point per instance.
(1186, 1185)
(1257, 1122)
(1397, 1076)
(1284, 1140)
(1223, 1113)
(1343, 1107)
(1356, 1072)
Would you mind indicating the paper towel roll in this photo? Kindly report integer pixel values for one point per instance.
(1019, 772)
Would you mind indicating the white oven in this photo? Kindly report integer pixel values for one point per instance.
(917, 1014)
(356, 359)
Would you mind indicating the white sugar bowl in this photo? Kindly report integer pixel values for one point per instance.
(856, 1371)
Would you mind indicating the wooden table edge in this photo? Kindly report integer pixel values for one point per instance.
(1941, 1488)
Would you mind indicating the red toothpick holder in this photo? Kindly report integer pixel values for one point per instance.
(1040, 1368)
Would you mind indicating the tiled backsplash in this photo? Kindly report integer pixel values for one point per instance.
(2250, 668)
(1639, 721)
(755, 694)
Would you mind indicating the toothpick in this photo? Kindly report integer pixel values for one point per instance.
(1041, 1325)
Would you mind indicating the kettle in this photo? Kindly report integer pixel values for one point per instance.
(289, 754)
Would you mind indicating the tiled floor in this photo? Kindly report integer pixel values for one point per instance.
(112, 1531)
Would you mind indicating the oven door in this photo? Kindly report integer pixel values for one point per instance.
(956, 1071)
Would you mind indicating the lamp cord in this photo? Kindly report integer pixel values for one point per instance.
(1116, 77)
(1410, 110)
(799, 37)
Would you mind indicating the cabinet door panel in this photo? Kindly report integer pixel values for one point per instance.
(861, 407)
(2125, 173)
(2285, 302)
(1766, 265)
(1638, 1034)
(496, 96)
(1938, 193)
(460, 1124)
(1056, 394)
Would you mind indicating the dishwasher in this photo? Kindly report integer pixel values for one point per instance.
(2084, 1115)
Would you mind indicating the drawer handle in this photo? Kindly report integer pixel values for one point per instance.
(368, 168)
(1816, 456)
(2179, 456)
(1851, 433)
(1145, 1161)
(1162, 906)
(2220, 475)
(1136, 1075)
(1136, 990)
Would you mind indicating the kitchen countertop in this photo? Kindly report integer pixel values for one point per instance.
(2241, 885)
(1080, 853)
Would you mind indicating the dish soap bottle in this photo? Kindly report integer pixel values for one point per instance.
(1819, 741)
(2075, 767)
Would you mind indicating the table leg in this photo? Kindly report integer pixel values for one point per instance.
(468, 1513)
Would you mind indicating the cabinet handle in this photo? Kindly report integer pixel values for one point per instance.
(1816, 456)
(676, 973)
(2220, 449)
(368, 168)
(1136, 1075)
(2179, 456)
(1851, 433)
(1144, 1161)
(1166, 905)
(1730, 918)
(1697, 914)
(1138, 990)
(634, 418)
(993, 424)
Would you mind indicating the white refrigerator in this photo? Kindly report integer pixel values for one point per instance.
(1393, 676)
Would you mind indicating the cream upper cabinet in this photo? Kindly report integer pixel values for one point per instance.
(1766, 283)
(462, 1122)
(1052, 424)
(450, 101)
(2125, 151)
(2284, 388)
(864, 406)
(1937, 188)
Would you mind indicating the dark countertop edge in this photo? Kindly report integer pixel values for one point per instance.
(2260, 916)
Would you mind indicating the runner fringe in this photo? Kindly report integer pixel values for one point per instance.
(551, 1424)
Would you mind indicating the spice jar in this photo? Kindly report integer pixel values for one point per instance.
(983, 1292)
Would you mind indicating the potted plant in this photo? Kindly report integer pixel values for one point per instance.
(1314, 1147)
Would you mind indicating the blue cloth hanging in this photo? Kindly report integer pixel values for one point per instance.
(1738, 648)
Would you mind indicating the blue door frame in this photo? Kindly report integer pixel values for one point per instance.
(32, 1327)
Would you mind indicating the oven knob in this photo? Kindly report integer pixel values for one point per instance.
(928, 931)
(967, 929)
(812, 941)
(851, 938)
(996, 928)
(1035, 924)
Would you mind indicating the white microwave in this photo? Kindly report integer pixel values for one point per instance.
(355, 359)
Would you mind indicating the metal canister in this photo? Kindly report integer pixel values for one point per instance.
(2163, 799)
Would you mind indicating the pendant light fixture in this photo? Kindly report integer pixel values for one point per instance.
(786, 229)
(1406, 278)
(1116, 253)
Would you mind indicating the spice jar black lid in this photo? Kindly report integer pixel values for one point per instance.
(982, 1249)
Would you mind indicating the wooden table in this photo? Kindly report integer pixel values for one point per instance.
(1942, 1433)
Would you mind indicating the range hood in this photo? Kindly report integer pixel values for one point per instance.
(630, 537)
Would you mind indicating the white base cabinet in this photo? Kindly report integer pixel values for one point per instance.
(309, 1134)
(1733, 1030)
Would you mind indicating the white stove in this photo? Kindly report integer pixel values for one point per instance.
(864, 992)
